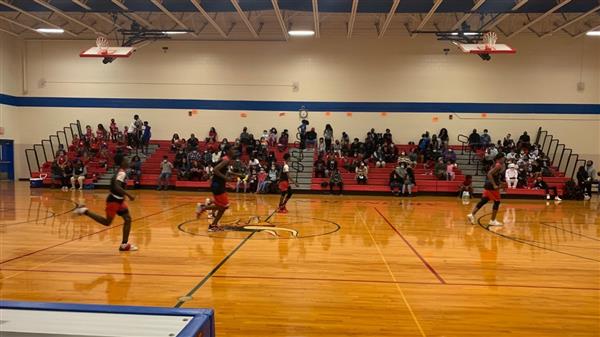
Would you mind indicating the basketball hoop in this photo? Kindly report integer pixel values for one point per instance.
(489, 40)
(102, 44)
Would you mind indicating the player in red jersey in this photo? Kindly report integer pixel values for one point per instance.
(115, 204)
(284, 184)
(491, 191)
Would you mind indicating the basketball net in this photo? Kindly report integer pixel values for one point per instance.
(102, 44)
(489, 40)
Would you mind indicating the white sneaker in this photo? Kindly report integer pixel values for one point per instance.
(80, 210)
(586, 197)
(556, 198)
(128, 247)
(471, 218)
(495, 223)
(547, 196)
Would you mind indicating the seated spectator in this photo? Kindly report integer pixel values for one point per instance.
(135, 170)
(319, 167)
(79, 173)
(377, 157)
(254, 163)
(395, 181)
(101, 133)
(58, 174)
(511, 156)
(192, 142)
(541, 184)
(489, 157)
(331, 165)
(435, 143)
(261, 178)
(183, 169)
(337, 148)
(166, 169)
(466, 186)
(362, 173)
(175, 145)
(508, 143)
(474, 140)
(321, 145)
(179, 156)
(212, 134)
(311, 138)
(439, 169)
(485, 139)
(195, 171)
(336, 181)
(449, 155)
(272, 177)
(450, 167)
(512, 176)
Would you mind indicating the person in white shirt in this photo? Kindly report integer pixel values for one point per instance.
(511, 176)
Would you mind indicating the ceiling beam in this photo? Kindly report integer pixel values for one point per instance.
(100, 16)
(244, 18)
(164, 9)
(568, 23)
(586, 31)
(16, 23)
(427, 17)
(11, 6)
(68, 17)
(540, 18)
(208, 18)
(468, 15)
(137, 18)
(9, 32)
(317, 24)
(502, 17)
(280, 19)
(352, 18)
(388, 19)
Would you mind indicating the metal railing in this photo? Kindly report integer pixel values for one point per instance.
(554, 149)
(52, 144)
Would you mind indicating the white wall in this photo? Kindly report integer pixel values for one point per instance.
(402, 70)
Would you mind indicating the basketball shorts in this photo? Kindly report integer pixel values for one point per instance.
(492, 195)
(284, 185)
(114, 208)
(221, 200)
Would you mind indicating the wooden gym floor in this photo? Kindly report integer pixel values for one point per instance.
(361, 266)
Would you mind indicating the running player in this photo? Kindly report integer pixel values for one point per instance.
(491, 191)
(220, 202)
(115, 204)
(284, 184)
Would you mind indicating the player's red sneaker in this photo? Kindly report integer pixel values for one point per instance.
(282, 210)
(128, 247)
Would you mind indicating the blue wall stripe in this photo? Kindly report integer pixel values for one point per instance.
(188, 104)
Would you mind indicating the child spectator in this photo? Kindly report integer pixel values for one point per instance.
(541, 184)
(282, 144)
(450, 174)
(321, 148)
(440, 169)
(319, 167)
(146, 135)
(262, 181)
(114, 130)
(512, 176)
(79, 173)
(395, 181)
(362, 174)
(272, 137)
(166, 169)
(466, 186)
(302, 133)
(311, 138)
(336, 181)
(101, 133)
(377, 157)
(196, 171)
(135, 170)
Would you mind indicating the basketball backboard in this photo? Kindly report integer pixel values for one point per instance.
(107, 52)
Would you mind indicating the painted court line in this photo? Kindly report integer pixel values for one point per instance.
(389, 269)
(213, 271)
(431, 269)
(87, 235)
(302, 279)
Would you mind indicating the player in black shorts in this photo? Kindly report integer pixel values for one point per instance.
(115, 204)
(284, 184)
